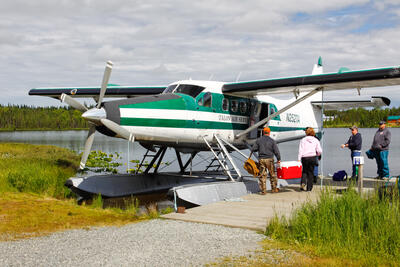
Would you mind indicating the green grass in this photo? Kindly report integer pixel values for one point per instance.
(35, 202)
(36, 169)
(364, 229)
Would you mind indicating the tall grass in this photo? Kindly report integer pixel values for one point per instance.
(349, 226)
(36, 169)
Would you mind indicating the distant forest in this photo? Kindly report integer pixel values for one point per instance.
(64, 118)
(361, 117)
(38, 118)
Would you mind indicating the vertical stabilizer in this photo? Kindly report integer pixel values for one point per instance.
(318, 69)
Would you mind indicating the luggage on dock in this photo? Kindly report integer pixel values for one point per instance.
(289, 170)
(251, 167)
(340, 176)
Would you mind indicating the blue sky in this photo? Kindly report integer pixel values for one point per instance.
(66, 43)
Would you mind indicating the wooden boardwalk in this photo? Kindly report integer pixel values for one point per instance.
(251, 211)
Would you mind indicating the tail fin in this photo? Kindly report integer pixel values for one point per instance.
(318, 69)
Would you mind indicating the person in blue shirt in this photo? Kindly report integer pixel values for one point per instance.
(354, 144)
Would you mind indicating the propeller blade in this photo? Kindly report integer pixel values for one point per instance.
(88, 146)
(72, 102)
(106, 77)
(118, 129)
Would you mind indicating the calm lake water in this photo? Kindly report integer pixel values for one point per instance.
(334, 158)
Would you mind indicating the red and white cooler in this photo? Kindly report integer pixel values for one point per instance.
(289, 170)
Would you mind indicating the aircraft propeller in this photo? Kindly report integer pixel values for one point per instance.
(96, 116)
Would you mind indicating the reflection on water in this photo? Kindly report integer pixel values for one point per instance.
(334, 157)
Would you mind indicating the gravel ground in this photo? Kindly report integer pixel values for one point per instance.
(151, 243)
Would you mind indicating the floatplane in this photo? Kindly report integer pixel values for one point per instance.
(191, 116)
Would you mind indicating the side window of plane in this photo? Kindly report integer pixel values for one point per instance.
(242, 107)
(234, 106)
(225, 104)
(272, 110)
(207, 99)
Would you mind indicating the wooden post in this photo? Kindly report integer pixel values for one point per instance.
(360, 178)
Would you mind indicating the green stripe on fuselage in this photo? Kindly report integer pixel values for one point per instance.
(171, 123)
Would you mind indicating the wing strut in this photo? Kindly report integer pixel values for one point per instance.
(255, 126)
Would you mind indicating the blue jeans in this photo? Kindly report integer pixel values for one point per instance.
(381, 158)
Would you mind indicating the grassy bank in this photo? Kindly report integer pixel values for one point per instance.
(36, 169)
(337, 230)
(364, 230)
(25, 215)
(34, 200)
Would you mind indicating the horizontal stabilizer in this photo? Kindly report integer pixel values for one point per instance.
(375, 101)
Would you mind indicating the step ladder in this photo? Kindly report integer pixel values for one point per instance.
(222, 156)
(214, 164)
(153, 155)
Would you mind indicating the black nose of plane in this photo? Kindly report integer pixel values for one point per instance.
(111, 109)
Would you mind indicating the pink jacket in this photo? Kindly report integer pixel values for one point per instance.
(309, 146)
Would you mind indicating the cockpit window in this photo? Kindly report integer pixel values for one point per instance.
(170, 88)
(189, 89)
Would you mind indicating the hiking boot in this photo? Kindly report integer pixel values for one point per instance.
(275, 190)
(302, 187)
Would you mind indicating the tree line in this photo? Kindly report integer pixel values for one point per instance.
(17, 117)
(363, 118)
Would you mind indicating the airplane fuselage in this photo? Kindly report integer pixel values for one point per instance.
(187, 111)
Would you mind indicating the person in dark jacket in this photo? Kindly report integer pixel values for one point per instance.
(354, 144)
(267, 149)
(380, 150)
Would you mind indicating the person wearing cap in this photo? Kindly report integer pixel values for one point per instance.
(354, 144)
(267, 149)
(309, 150)
(380, 150)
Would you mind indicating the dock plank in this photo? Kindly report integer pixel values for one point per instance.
(253, 212)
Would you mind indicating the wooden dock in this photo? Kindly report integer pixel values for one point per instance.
(251, 211)
(254, 211)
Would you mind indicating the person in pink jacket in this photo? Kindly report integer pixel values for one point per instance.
(309, 150)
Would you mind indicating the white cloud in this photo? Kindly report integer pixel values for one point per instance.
(57, 43)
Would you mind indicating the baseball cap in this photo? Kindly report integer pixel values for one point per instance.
(382, 122)
(353, 127)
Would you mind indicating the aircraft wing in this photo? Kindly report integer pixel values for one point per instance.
(375, 101)
(329, 81)
(112, 91)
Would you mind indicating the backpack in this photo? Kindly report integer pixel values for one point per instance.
(340, 176)
(251, 167)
